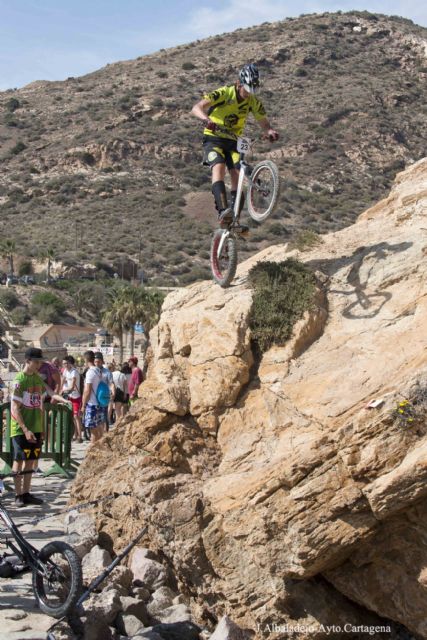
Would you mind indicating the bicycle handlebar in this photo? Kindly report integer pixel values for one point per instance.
(221, 129)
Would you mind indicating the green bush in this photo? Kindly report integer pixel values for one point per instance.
(12, 104)
(187, 66)
(46, 306)
(47, 315)
(19, 146)
(306, 239)
(8, 300)
(20, 315)
(283, 291)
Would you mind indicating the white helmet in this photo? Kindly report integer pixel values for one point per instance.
(249, 77)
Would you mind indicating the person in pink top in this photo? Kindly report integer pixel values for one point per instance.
(51, 376)
(135, 380)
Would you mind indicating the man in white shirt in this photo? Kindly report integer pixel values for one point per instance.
(93, 413)
(107, 377)
(71, 390)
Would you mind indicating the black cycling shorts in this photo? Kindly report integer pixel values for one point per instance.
(119, 396)
(24, 450)
(220, 150)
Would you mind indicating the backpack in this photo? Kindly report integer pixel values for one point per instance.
(103, 394)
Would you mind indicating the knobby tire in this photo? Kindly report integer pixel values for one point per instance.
(69, 580)
(223, 267)
(260, 206)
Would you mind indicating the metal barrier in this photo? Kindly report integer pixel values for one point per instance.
(58, 434)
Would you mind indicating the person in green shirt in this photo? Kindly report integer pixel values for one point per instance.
(27, 424)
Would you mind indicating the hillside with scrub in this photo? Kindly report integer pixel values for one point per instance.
(98, 167)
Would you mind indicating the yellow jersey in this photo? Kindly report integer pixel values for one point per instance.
(228, 111)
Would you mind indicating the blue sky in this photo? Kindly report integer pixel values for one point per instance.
(54, 39)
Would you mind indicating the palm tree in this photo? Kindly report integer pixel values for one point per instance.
(144, 308)
(8, 248)
(113, 320)
(127, 305)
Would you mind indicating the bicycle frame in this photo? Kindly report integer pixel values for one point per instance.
(26, 550)
(244, 172)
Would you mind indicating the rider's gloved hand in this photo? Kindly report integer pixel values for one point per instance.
(272, 135)
(210, 125)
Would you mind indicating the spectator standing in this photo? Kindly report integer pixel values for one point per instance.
(93, 413)
(121, 386)
(88, 358)
(128, 374)
(55, 362)
(50, 376)
(107, 377)
(27, 424)
(135, 379)
(111, 413)
(71, 391)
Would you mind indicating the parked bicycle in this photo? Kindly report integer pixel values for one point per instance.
(263, 185)
(57, 574)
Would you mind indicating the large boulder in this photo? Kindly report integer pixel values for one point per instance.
(289, 488)
(150, 573)
(94, 563)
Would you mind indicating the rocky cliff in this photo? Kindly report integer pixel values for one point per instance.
(269, 485)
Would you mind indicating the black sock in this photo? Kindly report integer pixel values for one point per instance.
(220, 195)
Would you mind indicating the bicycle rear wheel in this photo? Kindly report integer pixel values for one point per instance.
(223, 258)
(57, 588)
(263, 190)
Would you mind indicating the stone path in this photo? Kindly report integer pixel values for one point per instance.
(19, 618)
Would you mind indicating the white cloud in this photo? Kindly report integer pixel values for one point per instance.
(237, 13)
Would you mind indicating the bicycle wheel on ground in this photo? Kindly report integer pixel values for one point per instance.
(223, 257)
(263, 190)
(57, 587)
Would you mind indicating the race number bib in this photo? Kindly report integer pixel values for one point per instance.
(243, 145)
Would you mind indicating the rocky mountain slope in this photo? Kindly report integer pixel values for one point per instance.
(101, 165)
(291, 488)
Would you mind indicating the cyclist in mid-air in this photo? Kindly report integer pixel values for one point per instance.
(229, 107)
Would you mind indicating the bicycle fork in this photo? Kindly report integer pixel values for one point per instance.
(239, 191)
(224, 237)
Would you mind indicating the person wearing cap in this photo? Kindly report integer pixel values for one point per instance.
(71, 391)
(228, 108)
(27, 424)
(95, 417)
(135, 379)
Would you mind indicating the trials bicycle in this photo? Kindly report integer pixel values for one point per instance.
(262, 192)
(56, 568)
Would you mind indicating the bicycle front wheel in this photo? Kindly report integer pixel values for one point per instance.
(223, 257)
(57, 582)
(263, 190)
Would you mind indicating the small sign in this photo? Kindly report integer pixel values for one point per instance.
(244, 145)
